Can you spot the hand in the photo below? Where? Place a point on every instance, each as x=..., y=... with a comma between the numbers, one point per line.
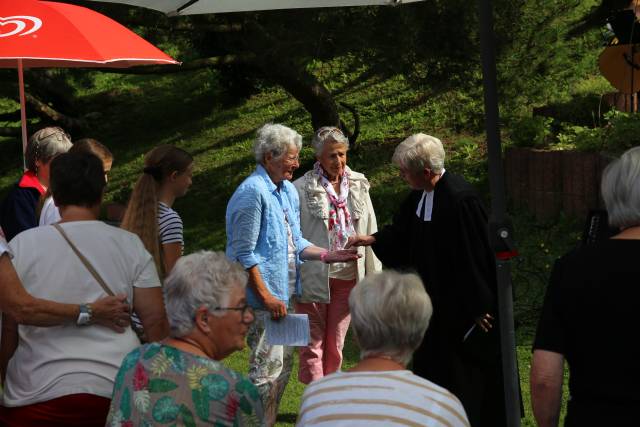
x=112, y=312
x=277, y=308
x=343, y=255
x=360, y=240
x=485, y=322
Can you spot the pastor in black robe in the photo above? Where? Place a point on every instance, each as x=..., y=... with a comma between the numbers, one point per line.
x=452, y=255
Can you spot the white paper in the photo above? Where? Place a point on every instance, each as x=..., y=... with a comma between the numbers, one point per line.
x=293, y=330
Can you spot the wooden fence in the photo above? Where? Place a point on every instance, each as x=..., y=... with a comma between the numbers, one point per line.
x=549, y=182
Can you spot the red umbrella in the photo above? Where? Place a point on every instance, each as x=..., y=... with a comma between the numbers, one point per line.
x=47, y=34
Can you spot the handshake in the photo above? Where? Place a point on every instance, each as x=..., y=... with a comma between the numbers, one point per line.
x=343, y=255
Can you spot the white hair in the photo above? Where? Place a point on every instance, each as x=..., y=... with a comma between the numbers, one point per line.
x=620, y=189
x=326, y=134
x=45, y=144
x=390, y=313
x=203, y=278
x=418, y=152
x=275, y=139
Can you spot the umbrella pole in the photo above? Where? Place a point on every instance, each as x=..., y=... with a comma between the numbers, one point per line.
x=23, y=113
x=500, y=228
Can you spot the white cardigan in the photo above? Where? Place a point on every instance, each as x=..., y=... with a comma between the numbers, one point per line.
x=314, y=222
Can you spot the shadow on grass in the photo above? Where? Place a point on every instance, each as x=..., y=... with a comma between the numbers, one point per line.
x=287, y=418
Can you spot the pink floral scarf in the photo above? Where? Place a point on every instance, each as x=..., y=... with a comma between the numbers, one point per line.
x=340, y=224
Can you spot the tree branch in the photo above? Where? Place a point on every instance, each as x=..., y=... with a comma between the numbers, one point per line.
x=47, y=111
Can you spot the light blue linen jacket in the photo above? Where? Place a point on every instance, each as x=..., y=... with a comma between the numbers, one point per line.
x=257, y=235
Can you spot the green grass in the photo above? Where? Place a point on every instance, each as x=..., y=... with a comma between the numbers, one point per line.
x=136, y=113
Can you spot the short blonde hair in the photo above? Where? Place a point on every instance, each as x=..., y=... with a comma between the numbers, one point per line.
x=418, y=152
x=390, y=313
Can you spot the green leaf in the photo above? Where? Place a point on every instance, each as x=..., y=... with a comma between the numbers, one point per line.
x=159, y=385
x=187, y=416
x=175, y=357
x=201, y=402
x=216, y=385
x=130, y=360
x=119, y=379
x=247, y=388
x=125, y=404
x=245, y=405
x=165, y=410
x=152, y=350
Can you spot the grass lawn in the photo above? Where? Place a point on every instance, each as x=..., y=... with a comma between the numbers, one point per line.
x=136, y=113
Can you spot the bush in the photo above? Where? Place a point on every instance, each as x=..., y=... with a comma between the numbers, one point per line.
x=532, y=132
x=621, y=132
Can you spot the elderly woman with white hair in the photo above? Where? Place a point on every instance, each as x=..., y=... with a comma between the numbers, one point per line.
x=182, y=380
x=263, y=234
x=18, y=210
x=590, y=317
x=441, y=231
x=334, y=204
x=390, y=313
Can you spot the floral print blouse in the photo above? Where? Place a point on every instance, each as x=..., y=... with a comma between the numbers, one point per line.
x=158, y=384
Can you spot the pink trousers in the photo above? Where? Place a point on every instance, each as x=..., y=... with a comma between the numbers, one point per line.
x=328, y=324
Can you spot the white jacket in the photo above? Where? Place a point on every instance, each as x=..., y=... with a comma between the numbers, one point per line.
x=314, y=222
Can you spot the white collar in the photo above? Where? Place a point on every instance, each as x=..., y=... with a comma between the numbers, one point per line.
x=426, y=202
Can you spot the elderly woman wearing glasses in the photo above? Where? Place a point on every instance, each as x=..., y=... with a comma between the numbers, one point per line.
x=181, y=380
x=18, y=210
x=334, y=204
x=263, y=234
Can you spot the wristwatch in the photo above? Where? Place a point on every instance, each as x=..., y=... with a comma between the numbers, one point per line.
x=86, y=315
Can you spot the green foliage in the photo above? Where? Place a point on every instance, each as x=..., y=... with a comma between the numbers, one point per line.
x=538, y=61
x=532, y=132
x=621, y=132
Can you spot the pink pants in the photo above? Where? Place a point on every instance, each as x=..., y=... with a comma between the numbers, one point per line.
x=328, y=324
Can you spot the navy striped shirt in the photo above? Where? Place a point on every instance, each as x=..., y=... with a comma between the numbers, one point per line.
x=169, y=225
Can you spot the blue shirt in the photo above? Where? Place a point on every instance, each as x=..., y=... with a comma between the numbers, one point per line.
x=257, y=234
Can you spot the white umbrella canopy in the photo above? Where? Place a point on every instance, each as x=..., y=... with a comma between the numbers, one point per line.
x=190, y=7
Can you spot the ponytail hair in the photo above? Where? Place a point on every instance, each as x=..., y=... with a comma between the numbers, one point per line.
x=141, y=215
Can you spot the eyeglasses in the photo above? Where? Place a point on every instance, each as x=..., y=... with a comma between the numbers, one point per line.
x=246, y=312
x=292, y=159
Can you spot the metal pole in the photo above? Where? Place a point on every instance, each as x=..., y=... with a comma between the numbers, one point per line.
x=23, y=113
x=500, y=226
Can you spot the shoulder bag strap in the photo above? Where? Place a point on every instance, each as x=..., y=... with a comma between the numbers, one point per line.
x=85, y=261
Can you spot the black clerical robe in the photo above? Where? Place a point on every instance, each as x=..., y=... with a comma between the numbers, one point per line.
x=452, y=255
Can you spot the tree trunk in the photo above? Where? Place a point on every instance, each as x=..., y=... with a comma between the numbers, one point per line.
x=306, y=88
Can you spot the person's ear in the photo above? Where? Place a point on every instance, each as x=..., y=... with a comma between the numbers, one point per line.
x=174, y=175
x=268, y=157
x=202, y=319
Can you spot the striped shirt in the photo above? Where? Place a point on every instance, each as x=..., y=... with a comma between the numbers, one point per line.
x=385, y=398
x=169, y=225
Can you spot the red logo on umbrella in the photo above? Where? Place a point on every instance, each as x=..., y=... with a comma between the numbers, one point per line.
x=23, y=25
